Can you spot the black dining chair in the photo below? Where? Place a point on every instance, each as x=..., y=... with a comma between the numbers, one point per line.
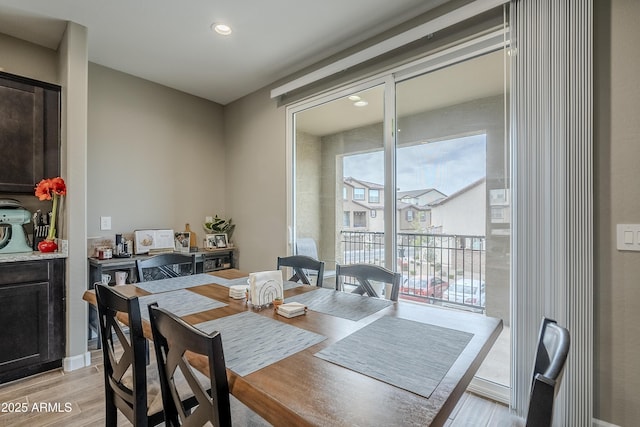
x=132, y=384
x=129, y=386
x=551, y=356
x=302, y=267
x=364, y=274
x=173, y=337
x=164, y=266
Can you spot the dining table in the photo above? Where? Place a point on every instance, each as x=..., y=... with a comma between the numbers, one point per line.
x=350, y=360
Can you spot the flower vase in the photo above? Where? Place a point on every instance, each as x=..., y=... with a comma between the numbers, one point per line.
x=47, y=246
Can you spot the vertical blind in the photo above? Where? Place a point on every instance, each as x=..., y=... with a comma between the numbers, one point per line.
x=552, y=274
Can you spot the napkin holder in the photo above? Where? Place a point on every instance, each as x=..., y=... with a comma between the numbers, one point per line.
x=265, y=286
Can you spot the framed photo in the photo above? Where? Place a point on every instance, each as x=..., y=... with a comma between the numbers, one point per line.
x=181, y=240
x=216, y=241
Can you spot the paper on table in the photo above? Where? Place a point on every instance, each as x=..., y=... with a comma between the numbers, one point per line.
x=265, y=286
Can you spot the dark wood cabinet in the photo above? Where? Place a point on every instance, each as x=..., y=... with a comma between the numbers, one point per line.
x=32, y=324
x=29, y=133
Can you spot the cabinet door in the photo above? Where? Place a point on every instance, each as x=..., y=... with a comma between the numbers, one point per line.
x=25, y=325
x=32, y=324
x=29, y=133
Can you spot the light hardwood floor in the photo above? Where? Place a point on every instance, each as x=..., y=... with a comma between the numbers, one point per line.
x=75, y=399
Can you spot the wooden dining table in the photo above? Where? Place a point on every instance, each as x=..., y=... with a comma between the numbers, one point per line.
x=306, y=390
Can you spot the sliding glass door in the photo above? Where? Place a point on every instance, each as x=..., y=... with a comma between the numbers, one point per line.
x=452, y=192
x=339, y=174
x=409, y=172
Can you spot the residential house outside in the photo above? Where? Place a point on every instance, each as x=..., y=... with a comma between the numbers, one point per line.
x=451, y=214
x=362, y=205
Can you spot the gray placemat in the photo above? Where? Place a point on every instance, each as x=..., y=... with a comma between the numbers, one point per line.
x=243, y=281
x=251, y=341
x=340, y=304
x=180, y=303
x=175, y=283
x=411, y=355
x=229, y=282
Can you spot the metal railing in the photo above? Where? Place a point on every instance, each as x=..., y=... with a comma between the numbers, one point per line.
x=436, y=268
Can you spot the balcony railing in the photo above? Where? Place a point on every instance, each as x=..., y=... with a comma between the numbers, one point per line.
x=438, y=268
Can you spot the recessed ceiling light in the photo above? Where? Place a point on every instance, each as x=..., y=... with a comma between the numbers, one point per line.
x=354, y=98
x=221, y=29
x=361, y=103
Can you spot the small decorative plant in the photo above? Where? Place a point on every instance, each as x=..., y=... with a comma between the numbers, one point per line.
x=219, y=225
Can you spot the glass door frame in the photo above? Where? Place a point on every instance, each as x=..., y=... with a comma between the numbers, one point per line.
x=473, y=48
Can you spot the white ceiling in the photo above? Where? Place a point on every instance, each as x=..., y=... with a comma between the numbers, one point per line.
x=170, y=41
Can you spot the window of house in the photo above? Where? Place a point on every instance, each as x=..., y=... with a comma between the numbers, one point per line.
x=358, y=194
x=423, y=216
x=346, y=219
x=372, y=213
x=344, y=193
x=360, y=219
x=374, y=196
x=409, y=215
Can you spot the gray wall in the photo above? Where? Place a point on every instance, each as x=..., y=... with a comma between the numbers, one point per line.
x=617, y=201
x=156, y=156
x=256, y=172
x=308, y=176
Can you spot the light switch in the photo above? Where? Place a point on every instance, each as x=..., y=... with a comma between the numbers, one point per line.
x=628, y=237
x=105, y=223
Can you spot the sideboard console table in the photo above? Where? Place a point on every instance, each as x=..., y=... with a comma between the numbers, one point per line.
x=206, y=261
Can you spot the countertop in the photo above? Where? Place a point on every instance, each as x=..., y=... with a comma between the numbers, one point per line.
x=31, y=256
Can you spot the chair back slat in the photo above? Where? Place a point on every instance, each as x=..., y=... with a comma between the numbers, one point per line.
x=164, y=266
x=364, y=274
x=302, y=266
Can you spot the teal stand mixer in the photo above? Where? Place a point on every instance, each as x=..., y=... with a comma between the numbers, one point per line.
x=13, y=237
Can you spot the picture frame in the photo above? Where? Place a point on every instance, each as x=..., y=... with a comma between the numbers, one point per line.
x=216, y=241
x=147, y=241
x=181, y=241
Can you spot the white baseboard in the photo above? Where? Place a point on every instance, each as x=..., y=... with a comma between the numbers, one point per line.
x=600, y=423
x=76, y=362
x=490, y=390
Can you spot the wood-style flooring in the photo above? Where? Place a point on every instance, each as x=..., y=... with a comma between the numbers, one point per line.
x=75, y=399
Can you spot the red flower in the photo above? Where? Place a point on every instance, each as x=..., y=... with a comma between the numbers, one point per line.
x=49, y=187
x=52, y=188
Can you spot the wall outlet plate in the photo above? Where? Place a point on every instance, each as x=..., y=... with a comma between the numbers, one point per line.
x=628, y=237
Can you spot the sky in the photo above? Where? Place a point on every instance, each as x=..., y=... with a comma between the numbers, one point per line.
x=446, y=165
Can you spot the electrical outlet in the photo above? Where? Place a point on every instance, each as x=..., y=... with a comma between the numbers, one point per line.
x=105, y=223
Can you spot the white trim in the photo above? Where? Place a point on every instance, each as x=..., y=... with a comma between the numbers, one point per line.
x=76, y=362
x=458, y=15
x=600, y=423
x=490, y=389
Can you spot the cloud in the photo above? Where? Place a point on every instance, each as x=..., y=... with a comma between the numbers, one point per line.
x=446, y=166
